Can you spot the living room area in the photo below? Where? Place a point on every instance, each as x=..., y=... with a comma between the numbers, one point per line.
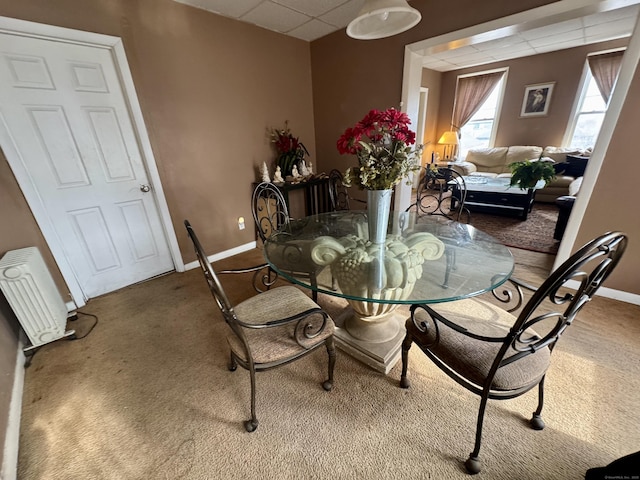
x=480, y=121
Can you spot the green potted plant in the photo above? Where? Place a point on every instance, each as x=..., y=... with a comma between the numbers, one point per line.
x=527, y=174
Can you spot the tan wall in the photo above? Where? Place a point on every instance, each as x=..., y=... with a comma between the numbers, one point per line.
x=350, y=77
x=208, y=87
x=564, y=67
x=611, y=204
x=8, y=355
x=431, y=80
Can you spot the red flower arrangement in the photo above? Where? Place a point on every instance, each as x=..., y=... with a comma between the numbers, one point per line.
x=290, y=150
x=382, y=143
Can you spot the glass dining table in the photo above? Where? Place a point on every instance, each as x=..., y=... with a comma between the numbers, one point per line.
x=424, y=260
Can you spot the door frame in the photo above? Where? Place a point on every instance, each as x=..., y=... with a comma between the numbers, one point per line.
x=115, y=46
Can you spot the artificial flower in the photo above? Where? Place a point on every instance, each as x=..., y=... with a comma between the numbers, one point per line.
x=290, y=149
x=381, y=141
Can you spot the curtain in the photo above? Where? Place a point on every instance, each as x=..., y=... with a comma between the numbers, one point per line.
x=471, y=92
x=605, y=68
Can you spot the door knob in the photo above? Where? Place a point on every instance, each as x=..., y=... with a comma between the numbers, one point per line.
x=145, y=188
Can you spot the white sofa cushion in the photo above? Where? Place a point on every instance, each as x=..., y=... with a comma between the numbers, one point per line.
x=559, y=154
x=492, y=160
x=522, y=153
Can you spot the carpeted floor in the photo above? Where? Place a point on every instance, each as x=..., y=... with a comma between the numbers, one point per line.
x=147, y=395
x=535, y=233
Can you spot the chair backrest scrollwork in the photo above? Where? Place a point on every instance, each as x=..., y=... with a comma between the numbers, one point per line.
x=269, y=210
x=554, y=305
x=442, y=191
x=215, y=287
x=337, y=191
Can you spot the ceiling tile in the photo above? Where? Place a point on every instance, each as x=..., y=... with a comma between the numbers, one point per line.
x=575, y=35
x=342, y=15
x=226, y=8
x=275, y=17
x=312, y=19
x=615, y=29
x=604, y=17
x=311, y=30
x=501, y=43
x=553, y=47
x=313, y=8
x=520, y=49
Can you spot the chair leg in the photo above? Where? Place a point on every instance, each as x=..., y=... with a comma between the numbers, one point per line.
x=536, y=421
x=233, y=365
x=314, y=292
x=406, y=345
x=331, y=350
x=251, y=425
x=449, y=265
x=473, y=464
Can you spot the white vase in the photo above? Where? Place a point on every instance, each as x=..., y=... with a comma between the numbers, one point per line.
x=378, y=207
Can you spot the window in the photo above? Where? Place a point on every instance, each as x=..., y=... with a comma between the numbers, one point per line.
x=479, y=131
x=589, y=115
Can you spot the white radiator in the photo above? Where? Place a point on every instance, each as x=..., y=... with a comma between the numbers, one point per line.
x=31, y=292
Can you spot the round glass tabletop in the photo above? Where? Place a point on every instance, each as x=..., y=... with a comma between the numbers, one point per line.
x=427, y=259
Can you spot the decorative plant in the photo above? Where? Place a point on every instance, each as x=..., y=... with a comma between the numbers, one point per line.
x=289, y=149
x=528, y=173
x=382, y=143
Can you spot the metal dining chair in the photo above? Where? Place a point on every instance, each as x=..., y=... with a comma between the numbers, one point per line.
x=271, y=216
x=268, y=330
x=497, y=355
x=442, y=192
x=340, y=198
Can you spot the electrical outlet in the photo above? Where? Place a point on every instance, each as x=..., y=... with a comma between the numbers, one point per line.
x=241, y=223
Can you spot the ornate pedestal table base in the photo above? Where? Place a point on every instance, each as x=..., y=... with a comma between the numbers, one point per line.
x=354, y=336
x=375, y=278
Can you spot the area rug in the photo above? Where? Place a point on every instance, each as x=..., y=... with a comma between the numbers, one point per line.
x=535, y=233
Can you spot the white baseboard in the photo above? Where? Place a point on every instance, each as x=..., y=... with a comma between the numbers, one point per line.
x=9, y=469
x=610, y=293
x=222, y=255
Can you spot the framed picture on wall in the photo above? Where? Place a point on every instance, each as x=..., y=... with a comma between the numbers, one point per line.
x=536, y=99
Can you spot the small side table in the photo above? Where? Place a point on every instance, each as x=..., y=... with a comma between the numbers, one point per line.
x=316, y=194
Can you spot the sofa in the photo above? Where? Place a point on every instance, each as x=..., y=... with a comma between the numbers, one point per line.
x=494, y=162
x=565, y=205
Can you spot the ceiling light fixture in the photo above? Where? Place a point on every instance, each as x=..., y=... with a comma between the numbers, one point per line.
x=383, y=18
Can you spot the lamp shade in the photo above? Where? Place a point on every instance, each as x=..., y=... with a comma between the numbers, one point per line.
x=448, y=138
x=383, y=18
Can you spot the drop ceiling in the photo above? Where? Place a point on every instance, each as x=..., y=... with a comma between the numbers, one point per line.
x=312, y=19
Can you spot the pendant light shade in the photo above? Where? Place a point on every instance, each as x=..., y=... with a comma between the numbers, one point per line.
x=383, y=18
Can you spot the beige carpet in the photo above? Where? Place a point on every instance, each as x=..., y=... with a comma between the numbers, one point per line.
x=147, y=395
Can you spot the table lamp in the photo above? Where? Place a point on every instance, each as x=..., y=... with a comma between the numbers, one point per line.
x=449, y=139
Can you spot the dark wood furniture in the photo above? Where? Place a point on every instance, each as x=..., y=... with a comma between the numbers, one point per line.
x=316, y=196
x=495, y=196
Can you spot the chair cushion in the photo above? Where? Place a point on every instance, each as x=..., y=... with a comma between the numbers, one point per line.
x=472, y=359
x=277, y=343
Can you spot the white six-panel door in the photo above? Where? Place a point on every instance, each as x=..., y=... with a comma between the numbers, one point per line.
x=67, y=117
